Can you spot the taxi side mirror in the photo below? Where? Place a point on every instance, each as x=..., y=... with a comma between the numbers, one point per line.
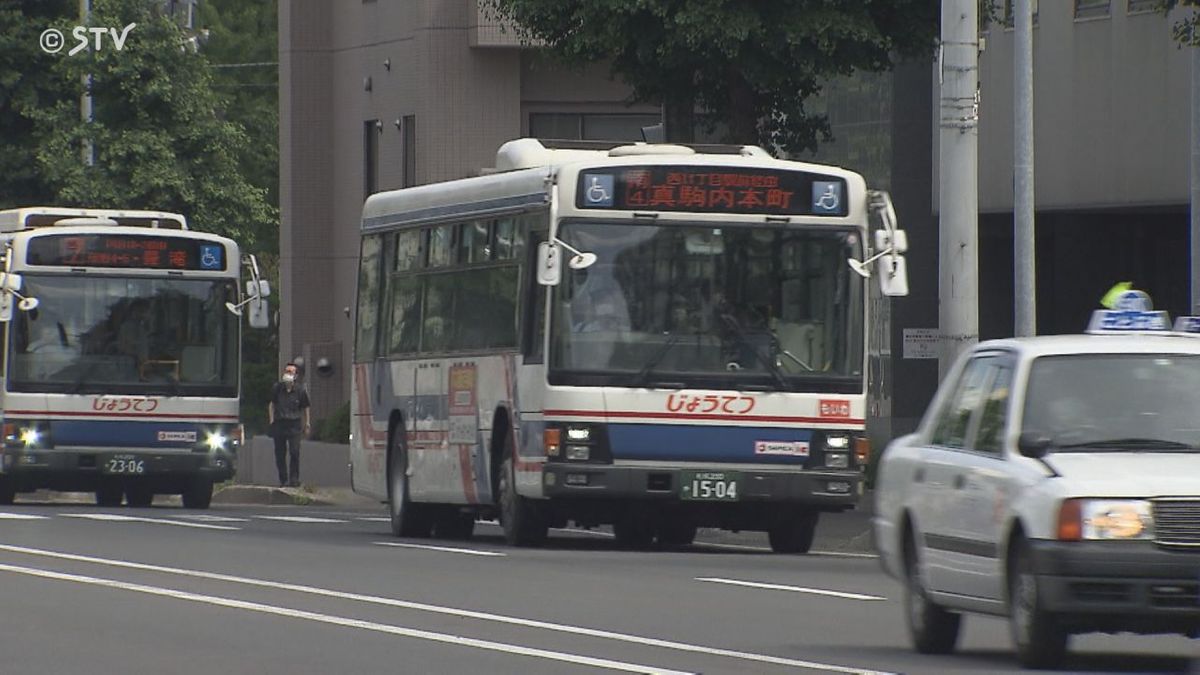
x=1034, y=444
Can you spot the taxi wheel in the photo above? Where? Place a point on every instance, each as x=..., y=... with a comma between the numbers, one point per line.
x=408, y=519
x=1041, y=642
x=794, y=532
x=109, y=494
x=933, y=629
x=139, y=496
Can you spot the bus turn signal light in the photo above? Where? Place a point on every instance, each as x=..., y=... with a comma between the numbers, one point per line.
x=552, y=441
x=862, y=450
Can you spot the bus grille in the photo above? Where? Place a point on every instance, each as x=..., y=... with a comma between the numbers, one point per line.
x=1177, y=522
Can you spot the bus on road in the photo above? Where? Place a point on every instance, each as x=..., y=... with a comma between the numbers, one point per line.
x=121, y=341
x=656, y=337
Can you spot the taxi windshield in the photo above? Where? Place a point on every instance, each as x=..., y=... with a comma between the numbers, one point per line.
x=1115, y=402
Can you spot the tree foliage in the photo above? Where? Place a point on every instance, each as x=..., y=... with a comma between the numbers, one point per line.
x=160, y=139
x=747, y=65
x=1186, y=30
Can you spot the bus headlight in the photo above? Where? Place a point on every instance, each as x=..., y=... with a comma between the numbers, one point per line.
x=579, y=453
x=30, y=436
x=216, y=440
x=1105, y=519
x=579, y=434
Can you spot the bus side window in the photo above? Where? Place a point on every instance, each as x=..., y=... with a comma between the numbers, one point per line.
x=533, y=313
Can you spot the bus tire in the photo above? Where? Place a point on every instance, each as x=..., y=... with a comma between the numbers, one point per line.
x=522, y=522
x=454, y=524
x=408, y=519
x=8, y=492
x=109, y=493
x=675, y=532
x=198, y=495
x=633, y=530
x=794, y=531
x=139, y=496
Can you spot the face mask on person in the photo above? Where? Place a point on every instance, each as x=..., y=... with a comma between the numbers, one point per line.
x=289, y=378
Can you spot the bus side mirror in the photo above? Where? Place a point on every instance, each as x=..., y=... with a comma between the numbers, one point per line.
x=549, y=264
x=264, y=288
x=893, y=275
x=260, y=313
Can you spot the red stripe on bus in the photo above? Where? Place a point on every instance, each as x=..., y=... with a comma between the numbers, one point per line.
x=468, y=478
x=700, y=416
x=88, y=413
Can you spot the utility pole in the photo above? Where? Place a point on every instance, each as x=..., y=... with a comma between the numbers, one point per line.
x=1195, y=174
x=85, y=101
x=958, y=184
x=1024, y=240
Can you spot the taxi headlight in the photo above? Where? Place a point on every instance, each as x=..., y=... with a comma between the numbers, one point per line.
x=1105, y=519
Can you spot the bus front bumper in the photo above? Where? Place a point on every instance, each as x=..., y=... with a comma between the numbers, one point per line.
x=83, y=468
x=828, y=490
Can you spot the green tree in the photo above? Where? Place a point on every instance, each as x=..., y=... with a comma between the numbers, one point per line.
x=749, y=65
x=242, y=46
x=1186, y=30
x=26, y=84
x=158, y=131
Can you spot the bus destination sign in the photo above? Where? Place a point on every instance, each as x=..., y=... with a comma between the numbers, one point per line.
x=126, y=251
x=711, y=189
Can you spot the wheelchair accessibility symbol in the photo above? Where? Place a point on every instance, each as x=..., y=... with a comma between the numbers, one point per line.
x=210, y=257
x=827, y=197
x=598, y=189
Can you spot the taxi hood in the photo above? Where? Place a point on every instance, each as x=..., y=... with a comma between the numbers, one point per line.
x=1129, y=474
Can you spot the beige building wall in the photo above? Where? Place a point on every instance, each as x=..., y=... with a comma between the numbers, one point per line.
x=464, y=80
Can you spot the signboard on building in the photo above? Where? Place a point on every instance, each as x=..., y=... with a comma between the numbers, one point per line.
x=921, y=343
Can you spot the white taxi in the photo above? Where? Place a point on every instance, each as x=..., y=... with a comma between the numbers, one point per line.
x=1054, y=481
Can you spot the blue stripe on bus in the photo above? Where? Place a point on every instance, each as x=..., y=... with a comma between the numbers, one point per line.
x=122, y=433
x=697, y=443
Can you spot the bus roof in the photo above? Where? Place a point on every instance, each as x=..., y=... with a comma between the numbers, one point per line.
x=12, y=220
x=526, y=167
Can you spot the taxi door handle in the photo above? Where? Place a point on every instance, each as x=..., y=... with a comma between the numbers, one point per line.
x=960, y=481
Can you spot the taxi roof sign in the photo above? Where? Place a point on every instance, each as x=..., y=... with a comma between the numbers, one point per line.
x=1132, y=311
x=1187, y=324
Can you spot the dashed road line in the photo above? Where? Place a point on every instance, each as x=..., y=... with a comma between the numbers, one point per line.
x=792, y=589
x=22, y=516
x=303, y=519
x=114, y=518
x=444, y=549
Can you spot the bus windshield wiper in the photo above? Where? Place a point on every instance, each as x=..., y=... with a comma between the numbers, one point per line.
x=767, y=361
x=1131, y=444
x=644, y=373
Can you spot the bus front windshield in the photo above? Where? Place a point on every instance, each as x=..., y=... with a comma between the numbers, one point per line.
x=100, y=335
x=710, y=306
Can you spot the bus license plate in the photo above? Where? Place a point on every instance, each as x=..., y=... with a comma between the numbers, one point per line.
x=721, y=486
x=124, y=464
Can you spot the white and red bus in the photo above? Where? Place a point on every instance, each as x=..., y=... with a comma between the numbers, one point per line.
x=648, y=336
x=121, y=341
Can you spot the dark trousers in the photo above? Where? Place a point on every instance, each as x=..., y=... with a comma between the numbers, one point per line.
x=287, y=444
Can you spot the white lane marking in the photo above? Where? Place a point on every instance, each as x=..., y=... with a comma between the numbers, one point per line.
x=22, y=516
x=451, y=611
x=302, y=519
x=115, y=518
x=205, y=518
x=446, y=549
x=344, y=621
x=793, y=589
x=734, y=547
x=376, y=519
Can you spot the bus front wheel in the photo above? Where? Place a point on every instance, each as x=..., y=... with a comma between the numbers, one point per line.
x=8, y=492
x=523, y=524
x=793, y=532
x=198, y=495
x=408, y=519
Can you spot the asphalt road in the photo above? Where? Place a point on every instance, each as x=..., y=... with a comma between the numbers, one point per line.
x=287, y=589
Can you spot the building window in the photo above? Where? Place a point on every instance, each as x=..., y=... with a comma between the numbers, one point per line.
x=591, y=126
x=370, y=157
x=1089, y=9
x=409, y=150
x=1141, y=6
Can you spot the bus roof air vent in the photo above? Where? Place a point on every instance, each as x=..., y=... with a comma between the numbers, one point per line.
x=640, y=149
x=85, y=222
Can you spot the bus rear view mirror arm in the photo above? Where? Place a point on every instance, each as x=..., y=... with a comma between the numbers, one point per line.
x=549, y=270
